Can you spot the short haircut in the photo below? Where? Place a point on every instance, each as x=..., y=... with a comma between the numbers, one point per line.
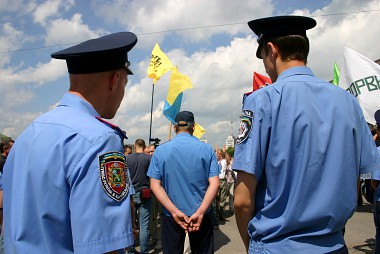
x=140, y=143
x=2, y=146
x=189, y=129
x=127, y=146
x=290, y=47
x=151, y=145
x=5, y=144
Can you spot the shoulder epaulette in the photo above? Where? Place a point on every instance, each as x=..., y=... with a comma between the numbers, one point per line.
x=114, y=127
x=246, y=95
x=165, y=142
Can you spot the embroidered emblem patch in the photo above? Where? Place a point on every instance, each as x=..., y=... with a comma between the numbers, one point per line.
x=114, y=175
x=245, y=126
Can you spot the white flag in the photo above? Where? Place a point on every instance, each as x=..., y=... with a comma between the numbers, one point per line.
x=361, y=77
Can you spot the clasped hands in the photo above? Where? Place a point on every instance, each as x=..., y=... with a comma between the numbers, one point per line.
x=189, y=224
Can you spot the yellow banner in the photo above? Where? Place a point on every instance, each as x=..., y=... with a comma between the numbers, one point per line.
x=159, y=64
x=198, y=131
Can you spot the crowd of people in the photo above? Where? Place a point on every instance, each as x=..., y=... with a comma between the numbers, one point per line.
x=72, y=186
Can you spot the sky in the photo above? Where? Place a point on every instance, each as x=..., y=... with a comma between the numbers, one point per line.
x=209, y=41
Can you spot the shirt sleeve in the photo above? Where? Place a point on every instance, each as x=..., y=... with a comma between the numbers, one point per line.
x=214, y=167
x=100, y=222
x=153, y=170
x=253, y=136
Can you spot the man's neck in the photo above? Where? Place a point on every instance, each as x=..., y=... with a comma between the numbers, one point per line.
x=139, y=150
x=283, y=66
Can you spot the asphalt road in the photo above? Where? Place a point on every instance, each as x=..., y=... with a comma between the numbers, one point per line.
x=359, y=235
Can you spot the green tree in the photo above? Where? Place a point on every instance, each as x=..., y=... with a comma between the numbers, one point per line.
x=230, y=151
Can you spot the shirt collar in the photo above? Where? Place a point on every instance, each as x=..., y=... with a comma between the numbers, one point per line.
x=298, y=70
x=77, y=102
x=183, y=134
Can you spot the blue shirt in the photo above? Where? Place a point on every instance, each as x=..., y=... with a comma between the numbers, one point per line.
x=54, y=197
x=184, y=166
x=307, y=144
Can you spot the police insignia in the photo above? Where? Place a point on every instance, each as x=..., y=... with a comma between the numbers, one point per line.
x=245, y=126
x=114, y=175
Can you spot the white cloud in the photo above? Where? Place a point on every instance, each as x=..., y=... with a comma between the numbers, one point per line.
x=10, y=39
x=17, y=86
x=69, y=31
x=150, y=16
x=39, y=74
x=355, y=30
x=7, y=6
x=44, y=72
x=15, y=121
x=50, y=8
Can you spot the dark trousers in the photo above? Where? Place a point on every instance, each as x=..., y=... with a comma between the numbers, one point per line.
x=173, y=237
x=342, y=250
x=376, y=216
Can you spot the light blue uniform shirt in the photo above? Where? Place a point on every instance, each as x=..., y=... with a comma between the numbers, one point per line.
x=54, y=201
x=184, y=165
x=307, y=145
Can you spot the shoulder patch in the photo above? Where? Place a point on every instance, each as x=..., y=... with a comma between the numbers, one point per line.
x=114, y=175
x=245, y=126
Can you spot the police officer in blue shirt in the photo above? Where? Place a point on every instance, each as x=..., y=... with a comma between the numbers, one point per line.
x=66, y=185
x=300, y=140
x=184, y=177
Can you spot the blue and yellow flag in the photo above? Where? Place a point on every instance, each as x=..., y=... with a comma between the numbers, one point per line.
x=159, y=64
x=178, y=84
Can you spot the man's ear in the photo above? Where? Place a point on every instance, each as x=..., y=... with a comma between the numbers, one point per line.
x=114, y=79
x=272, y=49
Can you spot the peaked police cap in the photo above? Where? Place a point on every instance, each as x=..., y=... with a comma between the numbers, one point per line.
x=106, y=53
x=280, y=26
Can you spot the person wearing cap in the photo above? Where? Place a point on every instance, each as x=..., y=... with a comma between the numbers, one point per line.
x=188, y=171
x=66, y=185
x=289, y=156
x=375, y=179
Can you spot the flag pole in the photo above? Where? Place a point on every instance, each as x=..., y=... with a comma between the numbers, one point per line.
x=170, y=131
x=151, y=113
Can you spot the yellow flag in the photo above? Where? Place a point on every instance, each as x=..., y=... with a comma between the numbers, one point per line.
x=159, y=64
x=198, y=131
x=178, y=84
